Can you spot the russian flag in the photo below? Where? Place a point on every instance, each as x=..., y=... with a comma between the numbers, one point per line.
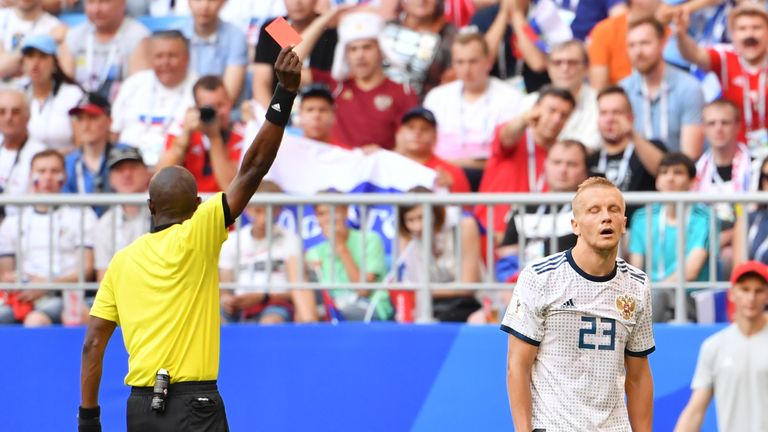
x=711, y=306
x=546, y=26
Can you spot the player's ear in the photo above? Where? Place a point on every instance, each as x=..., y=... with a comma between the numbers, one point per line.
x=624, y=226
x=575, y=227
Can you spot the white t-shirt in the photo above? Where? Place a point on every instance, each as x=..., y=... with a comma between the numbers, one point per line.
x=34, y=239
x=126, y=231
x=253, y=259
x=13, y=29
x=145, y=109
x=465, y=129
x=250, y=15
x=49, y=120
x=583, y=326
x=736, y=368
x=582, y=124
x=15, y=167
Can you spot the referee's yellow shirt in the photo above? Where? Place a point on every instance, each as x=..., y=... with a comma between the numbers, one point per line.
x=163, y=290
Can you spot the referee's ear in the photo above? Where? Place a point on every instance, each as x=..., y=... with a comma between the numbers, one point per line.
x=151, y=206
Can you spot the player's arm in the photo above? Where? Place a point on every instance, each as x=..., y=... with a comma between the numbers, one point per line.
x=262, y=151
x=520, y=358
x=639, y=388
x=692, y=416
x=96, y=338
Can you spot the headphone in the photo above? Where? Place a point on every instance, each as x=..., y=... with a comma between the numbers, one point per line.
x=60, y=179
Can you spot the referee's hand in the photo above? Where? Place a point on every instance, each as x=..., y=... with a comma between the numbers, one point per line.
x=288, y=69
x=89, y=420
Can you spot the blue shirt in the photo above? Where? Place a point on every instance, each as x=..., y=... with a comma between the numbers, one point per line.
x=78, y=175
x=212, y=55
x=684, y=99
x=588, y=13
x=665, y=242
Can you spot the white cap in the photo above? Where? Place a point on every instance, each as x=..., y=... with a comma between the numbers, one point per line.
x=354, y=27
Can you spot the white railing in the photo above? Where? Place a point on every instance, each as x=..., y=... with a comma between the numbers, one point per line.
x=425, y=287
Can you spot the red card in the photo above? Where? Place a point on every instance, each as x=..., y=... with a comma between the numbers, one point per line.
x=283, y=33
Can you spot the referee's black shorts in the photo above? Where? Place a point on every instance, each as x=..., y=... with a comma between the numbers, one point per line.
x=190, y=406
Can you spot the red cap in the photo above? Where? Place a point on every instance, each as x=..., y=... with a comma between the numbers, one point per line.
x=750, y=267
x=91, y=109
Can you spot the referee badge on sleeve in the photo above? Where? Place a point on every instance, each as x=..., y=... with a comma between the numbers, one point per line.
x=626, y=305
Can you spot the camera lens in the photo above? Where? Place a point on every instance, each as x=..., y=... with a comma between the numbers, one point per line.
x=207, y=114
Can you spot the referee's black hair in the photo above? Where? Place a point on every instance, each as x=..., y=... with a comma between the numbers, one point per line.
x=677, y=158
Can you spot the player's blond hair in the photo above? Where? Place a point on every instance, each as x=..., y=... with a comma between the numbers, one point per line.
x=591, y=183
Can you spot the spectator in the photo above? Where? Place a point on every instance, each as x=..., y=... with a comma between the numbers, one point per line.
x=519, y=149
x=262, y=295
x=369, y=105
x=86, y=167
x=318, y=48
x=122, y=224
x=317, y=114
x=469, y=109
x=34, y=242
x=216, y=47
x=739, y=67
x=667, y=101
x=755, y=231
x=732, y=362
x=626, y=158
x=415, y=139
x=417, y=45
x=607, y=44
x=567, y=66
x=343, y=264
x=564, y=170
x=102, y=52
x=18, y=146
x=52, y=93
x=209, y=147
x=150, y=101
x=677, y=173
x=25, y=18
x=447, y=305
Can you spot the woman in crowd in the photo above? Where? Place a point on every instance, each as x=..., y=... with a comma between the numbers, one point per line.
x=51, y=93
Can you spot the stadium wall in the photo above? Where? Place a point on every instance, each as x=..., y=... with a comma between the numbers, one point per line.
x=350, y=377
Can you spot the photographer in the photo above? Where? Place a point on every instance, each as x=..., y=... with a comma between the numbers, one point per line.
x=208, y=144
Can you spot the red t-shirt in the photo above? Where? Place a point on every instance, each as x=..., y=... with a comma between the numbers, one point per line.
x=507, y=171
x=368, y=117
x=725, y=64
x=460, y=182
x=198, y=161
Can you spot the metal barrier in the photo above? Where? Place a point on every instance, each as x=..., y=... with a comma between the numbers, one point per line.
x=424, y=288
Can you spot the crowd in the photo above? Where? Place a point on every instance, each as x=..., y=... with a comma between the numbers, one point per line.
x=476, y=90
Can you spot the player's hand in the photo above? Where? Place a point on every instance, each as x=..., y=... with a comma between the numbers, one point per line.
x=288, y=69
x=89, y=419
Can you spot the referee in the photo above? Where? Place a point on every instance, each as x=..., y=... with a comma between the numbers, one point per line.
x=163, y=289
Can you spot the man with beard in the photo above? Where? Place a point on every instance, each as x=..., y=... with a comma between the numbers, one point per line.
x=667, y=102
x=740, y=68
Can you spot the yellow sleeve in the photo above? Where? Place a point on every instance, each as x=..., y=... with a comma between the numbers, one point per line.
x=206, y=229
x=104, y=306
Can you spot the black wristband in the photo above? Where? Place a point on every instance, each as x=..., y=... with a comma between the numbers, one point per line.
x=279, y=110
x=89, y=413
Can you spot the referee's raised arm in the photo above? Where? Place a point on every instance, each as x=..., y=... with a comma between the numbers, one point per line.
x=262, y=151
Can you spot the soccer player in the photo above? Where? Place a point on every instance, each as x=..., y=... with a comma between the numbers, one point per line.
x=732, y=362
x=580, y=329
x=163, y=289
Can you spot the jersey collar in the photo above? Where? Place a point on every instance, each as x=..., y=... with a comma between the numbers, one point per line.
x=585, y=275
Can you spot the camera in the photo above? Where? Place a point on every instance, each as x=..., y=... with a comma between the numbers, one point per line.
x=207, y=114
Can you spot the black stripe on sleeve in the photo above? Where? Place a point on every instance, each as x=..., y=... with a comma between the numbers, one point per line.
x=227, y=213
x=640, y=353
x=520, y=336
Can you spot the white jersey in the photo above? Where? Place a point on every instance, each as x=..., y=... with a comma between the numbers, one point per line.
x=583, y=326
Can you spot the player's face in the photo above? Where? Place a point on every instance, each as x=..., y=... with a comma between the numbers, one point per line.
x=749, y=296
x=645, y=48
x=721, y=126
x=750, y=37
x=416, y=136
x=566, y=67
x=364, y=58
x=316, y=117
x=565, y=168
x=599, y=219
x=613, y=113
x=470, y=63
x=554, y=114
x=673, y=178
x=129, y=177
